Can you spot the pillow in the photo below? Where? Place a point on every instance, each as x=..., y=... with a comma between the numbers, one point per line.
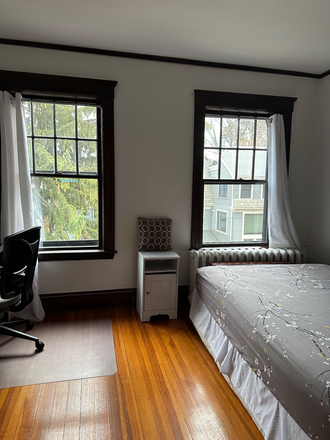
x=155, y=234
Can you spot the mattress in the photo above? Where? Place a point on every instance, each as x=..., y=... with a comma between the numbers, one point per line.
x=277, y=319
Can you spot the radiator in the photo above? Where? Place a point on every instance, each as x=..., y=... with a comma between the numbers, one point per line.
x=206, y=256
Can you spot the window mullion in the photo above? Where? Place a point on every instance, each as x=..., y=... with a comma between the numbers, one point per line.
x=100, y=174
x=76, y=140
x=32, y=139
x=254, y=147
x=55, y=137
x=220, y=149
x=237, y=149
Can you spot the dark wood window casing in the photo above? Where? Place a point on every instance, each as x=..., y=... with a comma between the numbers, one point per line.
x=101, y=93
x=241, y=104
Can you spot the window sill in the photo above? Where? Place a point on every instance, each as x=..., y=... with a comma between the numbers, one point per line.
x=76, y=254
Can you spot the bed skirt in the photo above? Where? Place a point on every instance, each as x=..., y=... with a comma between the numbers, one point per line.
x=271, y=418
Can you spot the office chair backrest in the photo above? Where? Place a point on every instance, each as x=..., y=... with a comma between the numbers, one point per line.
x=19, y=261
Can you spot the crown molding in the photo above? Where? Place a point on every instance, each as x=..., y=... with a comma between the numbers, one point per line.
x=159, y=58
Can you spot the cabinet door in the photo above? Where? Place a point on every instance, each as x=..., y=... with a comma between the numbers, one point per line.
x=160, y=292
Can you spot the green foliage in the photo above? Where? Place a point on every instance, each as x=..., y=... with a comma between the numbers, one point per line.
x=67, y=207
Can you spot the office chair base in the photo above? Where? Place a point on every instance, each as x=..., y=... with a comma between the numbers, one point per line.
x=18, y=322
x=4, y=330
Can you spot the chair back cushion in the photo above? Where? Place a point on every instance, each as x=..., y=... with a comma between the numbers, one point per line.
x=19, y=261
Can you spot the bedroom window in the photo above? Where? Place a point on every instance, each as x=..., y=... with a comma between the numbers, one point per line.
x=230, y=166
x=64, y=152
x=70, y=129
x=235, y=150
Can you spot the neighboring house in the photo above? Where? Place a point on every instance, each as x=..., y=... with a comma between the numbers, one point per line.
x=231, y=213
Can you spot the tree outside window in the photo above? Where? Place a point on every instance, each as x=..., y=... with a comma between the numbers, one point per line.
x=63, y=153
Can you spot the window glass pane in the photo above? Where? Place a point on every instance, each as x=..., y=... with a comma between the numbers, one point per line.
x=260, y=165
x=234, y=214
x=221, y=221
x=67, y=209
x=65, y=120
x=246, y=191
x=27, y=112
x=212, y=132
x=223, y=190
x=246, y=133
x=87, y=126
x=43, y=119
x=257, y=191
x=66, y=156
x=228, y=164
x=261, y=139
x=229, y=132
x=211, y=164
x=87, y=151
x=253, y=223
x=44, y=155
x=245, y=160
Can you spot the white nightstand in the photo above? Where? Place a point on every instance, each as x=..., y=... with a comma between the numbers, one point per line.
x=157, y=284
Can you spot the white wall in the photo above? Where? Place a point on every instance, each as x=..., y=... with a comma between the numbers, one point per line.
x=154, y=122
x=319, y=214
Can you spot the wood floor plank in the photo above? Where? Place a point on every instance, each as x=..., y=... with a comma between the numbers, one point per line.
x=115, y=418
x=44, y=412
x=226, y=389
x=137, y=370
x=29, y=409
x=167, y=391
x=5, y=398
x=201, y=422
x=200, y=369
x=162, y=401
x=94, y=416
x=73, y=411
x=59, y=410
x=129, y=412
x=20, y=414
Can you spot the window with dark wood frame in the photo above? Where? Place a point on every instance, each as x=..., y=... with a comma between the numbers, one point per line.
x=94, y=92
x=240, y=105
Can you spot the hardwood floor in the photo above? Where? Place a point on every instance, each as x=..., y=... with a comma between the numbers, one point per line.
x=167, y=386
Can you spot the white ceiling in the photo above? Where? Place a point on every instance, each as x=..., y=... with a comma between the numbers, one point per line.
x=280, y=34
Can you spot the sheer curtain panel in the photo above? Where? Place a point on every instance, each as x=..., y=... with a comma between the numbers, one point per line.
x=281, y=230
x=16, y=192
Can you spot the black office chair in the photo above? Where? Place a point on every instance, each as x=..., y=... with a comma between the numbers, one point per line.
x=19, y=259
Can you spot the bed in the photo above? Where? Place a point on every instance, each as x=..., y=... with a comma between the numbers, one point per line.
x=268, y=328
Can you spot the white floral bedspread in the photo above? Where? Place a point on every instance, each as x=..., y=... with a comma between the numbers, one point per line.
x=278, y=318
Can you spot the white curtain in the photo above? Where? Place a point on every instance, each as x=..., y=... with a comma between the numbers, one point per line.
x=281, y=230
x=16, y=195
